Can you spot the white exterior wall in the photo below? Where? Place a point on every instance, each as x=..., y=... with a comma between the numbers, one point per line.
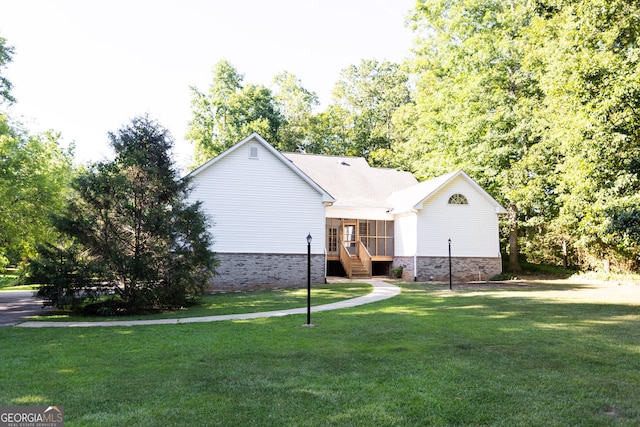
x=259, y=205
x=405, y=226
x=472, y=228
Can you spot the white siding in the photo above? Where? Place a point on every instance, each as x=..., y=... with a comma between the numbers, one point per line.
x=405, y=234
x=259, y=205
x=472, y=228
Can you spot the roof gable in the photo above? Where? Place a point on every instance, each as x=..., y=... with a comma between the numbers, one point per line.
x=254, y=137
x=416, y=196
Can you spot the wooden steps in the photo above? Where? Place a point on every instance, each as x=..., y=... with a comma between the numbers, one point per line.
x=358, y=270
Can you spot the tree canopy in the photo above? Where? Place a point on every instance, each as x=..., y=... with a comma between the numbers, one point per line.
x=228, y=112
x=6, y=55
x=369, y=95
x=586, y=57
x=35, y=173
x=474, y=100
x=539, y=102
x=296, y=106
x=358, y=122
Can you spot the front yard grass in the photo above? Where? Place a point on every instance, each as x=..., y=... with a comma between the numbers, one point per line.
x=546, y=355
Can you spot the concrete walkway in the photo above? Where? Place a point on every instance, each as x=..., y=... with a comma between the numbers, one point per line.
x=381, y=291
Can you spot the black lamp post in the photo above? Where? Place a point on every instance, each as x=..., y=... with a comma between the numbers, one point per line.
x=309, y=279
x=450, y=279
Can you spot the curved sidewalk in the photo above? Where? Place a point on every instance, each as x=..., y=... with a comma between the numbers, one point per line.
x=381, y=291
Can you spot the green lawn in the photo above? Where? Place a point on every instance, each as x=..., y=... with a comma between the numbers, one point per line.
x=539, y=355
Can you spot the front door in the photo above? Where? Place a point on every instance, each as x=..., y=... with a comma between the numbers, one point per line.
x=349, y=236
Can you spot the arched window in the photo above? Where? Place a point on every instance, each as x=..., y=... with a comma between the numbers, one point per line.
x=458, y=199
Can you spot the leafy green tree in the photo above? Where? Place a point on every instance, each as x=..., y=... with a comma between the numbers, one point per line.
x=475, y=103
x=369, y=94
x=35, y=174
x=539, y=102
x=296, y=105
x=328, y=132
x=6, y=54
x=34, y=178
x=133, y=232
x=587, y=61
x=229, y=112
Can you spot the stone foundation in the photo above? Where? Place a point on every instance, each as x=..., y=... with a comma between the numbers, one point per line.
x=436, y=269
x=244, y=271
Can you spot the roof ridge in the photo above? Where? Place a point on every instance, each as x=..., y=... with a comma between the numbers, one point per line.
x=323, y=155
x=337, y=156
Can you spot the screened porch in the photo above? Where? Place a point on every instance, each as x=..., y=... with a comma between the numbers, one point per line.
x=361, y=247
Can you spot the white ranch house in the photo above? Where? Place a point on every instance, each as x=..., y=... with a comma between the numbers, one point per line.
x=363, y=220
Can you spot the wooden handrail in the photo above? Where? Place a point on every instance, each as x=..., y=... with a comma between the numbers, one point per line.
x=365, y=256
x=345, y=259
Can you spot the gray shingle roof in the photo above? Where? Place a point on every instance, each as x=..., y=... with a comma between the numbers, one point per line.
x=351, y=181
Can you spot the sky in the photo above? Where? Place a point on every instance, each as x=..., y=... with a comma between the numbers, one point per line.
x=86, y=68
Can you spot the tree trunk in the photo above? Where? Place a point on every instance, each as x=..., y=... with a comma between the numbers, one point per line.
x=514, y=263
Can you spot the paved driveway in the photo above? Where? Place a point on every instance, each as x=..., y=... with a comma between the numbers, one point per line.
x=17, y=306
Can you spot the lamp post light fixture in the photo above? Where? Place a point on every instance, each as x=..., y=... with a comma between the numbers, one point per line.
x=450, y=279
x=308, y=280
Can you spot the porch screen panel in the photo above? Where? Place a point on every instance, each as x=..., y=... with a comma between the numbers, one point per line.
x=364, y=229
x=377, y=236
x=388, y=250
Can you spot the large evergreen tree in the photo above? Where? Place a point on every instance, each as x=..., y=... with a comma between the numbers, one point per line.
x=133, y=232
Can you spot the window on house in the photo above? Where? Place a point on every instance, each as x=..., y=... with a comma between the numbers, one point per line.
x=253, y=152
x=458, y=199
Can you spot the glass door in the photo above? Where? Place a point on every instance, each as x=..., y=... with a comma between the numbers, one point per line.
x=349, y=236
